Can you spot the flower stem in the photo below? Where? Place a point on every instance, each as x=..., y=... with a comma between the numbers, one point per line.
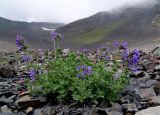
x=58, y=44
x=55, y=48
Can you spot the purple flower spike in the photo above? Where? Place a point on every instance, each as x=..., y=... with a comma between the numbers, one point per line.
x=26, y=58
x=124, y=45
x=116, y=44
x=53, y=35
x=136, y=52
x=84, y=70
x=20, y=42
x=32, y=74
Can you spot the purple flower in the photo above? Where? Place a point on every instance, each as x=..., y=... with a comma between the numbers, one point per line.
x=26, y=58
x=125, y=55
x=54, y=35
x=136, y=52
x=135, y=59
x=124, y=45
x=84, y=70
x=20, y=42
x=32, y=74
x=116, y=44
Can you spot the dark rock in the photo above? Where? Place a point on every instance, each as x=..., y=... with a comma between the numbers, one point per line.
x=156, y=88
x=102, y=111
x=48, y=111
x=7, y=71
x=138, y=74
x=26, y=101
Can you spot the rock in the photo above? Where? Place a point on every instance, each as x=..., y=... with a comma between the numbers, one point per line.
x=149, y=64
x=26, y=101
x=24, y=93
x=116, y=107
x=118, y=74
x=115, y=113
x=29, y=110
x=22, y=99
x=66, y=52
x=151, y=83
x=130, y=107
x=102, y=111
x=155, y=100
x=42, y=99
x=37, y=112
x=156, y=88
x=157, y=67
x=138, y=74
x=7, y=101
x=145, y=94
x=5, y=109
x=7, y=71
x=150, y=111
x=48, y=111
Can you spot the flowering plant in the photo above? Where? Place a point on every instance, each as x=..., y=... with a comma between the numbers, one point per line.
x=77, y=78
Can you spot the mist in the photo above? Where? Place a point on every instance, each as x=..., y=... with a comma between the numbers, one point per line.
x=64, y=11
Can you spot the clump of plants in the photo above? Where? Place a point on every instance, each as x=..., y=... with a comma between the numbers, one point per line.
x=77, y=77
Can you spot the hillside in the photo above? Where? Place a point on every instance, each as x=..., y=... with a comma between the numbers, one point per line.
x=132, y=24
x=33, y=32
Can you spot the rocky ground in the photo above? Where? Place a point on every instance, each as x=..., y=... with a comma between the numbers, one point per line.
x=140, y=97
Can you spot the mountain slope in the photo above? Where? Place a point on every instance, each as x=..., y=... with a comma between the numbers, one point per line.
x=131, y=24
x=33, y=32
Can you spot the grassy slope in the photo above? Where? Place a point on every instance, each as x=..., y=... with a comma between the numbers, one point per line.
x=97, y=34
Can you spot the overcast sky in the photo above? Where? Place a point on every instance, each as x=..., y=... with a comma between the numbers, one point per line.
x=58, y=10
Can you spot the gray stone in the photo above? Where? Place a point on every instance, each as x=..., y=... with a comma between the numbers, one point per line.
x=29, y=109
x=116, y=107
x=5, y=109
x=155, y=100
x=37, y=112
x=115, y=113
x=139, y=74
x=145, y=94
x=22, y=99
x=118, y=74
x=157, y=67
x=66, y=52
x=131, y=107
x=156, y=88
x=150, y=111
x=151, y=83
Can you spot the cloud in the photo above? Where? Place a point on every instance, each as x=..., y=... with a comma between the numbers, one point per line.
x=57, y=10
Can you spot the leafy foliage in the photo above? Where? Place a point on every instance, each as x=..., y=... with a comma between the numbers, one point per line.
x=62, y=80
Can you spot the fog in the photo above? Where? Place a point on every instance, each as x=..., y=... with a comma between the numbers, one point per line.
x=60, y=10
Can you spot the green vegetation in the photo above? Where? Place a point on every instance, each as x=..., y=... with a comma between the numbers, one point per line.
x=97, y=34
x=78, y=78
